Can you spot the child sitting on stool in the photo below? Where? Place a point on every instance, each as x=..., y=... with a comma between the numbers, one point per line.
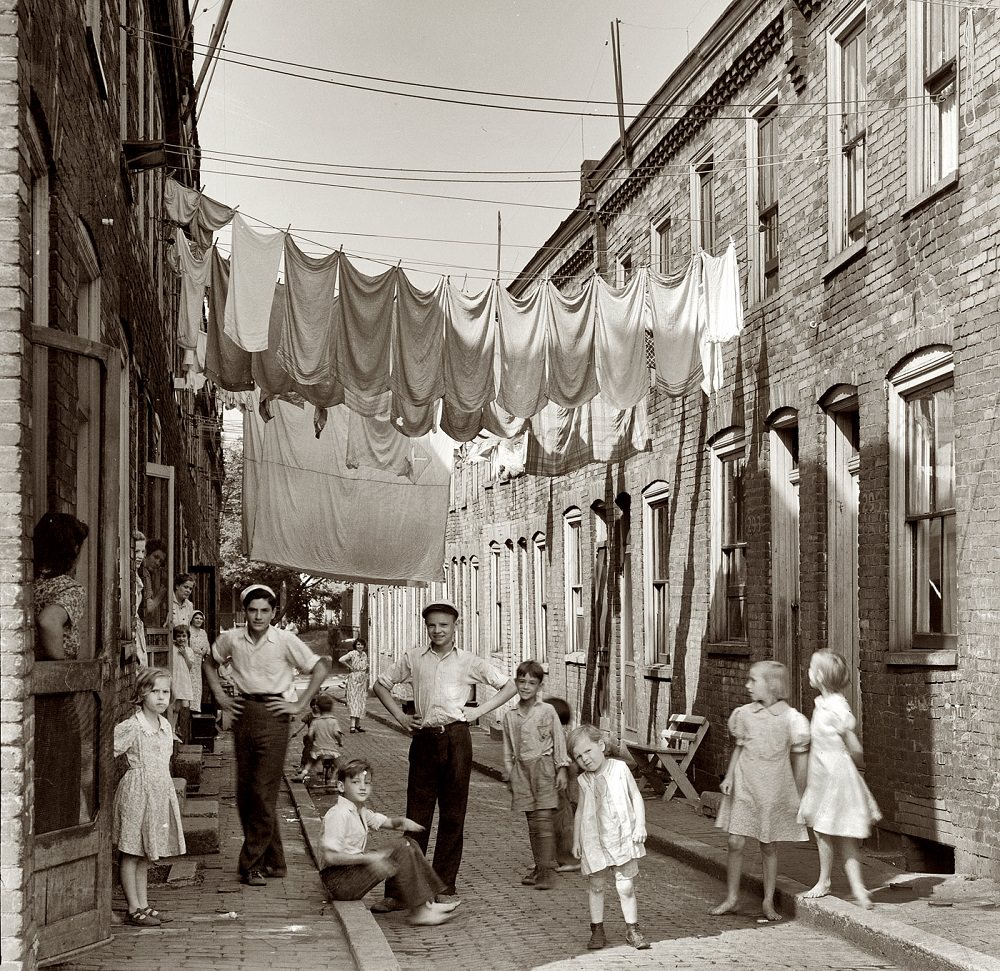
x=350, y=871
x=324, y=735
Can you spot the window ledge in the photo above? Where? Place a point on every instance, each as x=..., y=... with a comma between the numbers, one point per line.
x=576, y=657
x=939, y=188
x=765, y=303
x=657, y=672
x=728, y=649
x=844, y=257
x=923, y=659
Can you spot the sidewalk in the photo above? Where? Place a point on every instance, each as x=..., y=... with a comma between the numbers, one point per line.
x=930, y=922
x=219, y=924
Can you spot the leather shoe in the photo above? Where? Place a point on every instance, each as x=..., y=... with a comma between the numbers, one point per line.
x=387, y=905
x=448, y=898
x=275, y=871
x=253, y=879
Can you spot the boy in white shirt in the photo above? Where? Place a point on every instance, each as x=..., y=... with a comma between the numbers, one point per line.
x=349, y=870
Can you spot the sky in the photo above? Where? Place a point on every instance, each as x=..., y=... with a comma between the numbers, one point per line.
x=555, y=49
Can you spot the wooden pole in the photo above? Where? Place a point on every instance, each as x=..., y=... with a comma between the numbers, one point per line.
x=499, y=234
x=616, y=56
x=213, y=44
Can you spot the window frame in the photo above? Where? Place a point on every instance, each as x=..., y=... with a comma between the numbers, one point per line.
x=496, y=600
x=660, y=229
x=764, y=275
x=929, y=370
x=727, y=447
x=702, y=177
x=656, y=499
x=573, y=578
x=540, y=590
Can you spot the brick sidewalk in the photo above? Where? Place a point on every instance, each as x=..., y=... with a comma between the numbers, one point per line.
x=221, y=925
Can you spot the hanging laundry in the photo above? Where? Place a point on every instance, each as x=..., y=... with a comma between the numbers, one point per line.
x=563, y=440
x=304, y=508
x=195, y=274
x=363, y=331
x=227, y=364
x=252, y=274
x=723, y=308
x=522, y=332
x=458, y=425
x=413, y=420
x=268, y=374
x=511, y=457
x=375, y=444
x=179, y=201
x=418, y=343
x=571, y=361
x=620, y=334
x=676, y=321
x=470, y=346
x=211, y=215
x=502, y=423
x=305, y=346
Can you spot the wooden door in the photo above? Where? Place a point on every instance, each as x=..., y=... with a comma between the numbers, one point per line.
x=630, y=721
x=75, y=414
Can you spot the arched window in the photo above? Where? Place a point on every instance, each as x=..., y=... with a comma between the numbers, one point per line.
x=541, y=605
x=573, y=580
x=729, y=543
x=496, y=601
x=656, y=570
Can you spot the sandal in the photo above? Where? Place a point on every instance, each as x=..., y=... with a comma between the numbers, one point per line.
x=157, y=915
x=139, y=918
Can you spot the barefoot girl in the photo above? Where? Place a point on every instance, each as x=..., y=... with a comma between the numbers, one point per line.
x=146, y=821
x=765, y=777
x=836, y=803
x=609, y=832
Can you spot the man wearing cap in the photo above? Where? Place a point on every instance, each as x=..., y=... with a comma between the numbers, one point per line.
x=263, y=661
x=442, y=676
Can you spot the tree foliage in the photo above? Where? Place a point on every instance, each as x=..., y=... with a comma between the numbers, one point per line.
x=300, y=594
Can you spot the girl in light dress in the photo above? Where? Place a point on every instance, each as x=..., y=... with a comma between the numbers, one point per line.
x=179, y=714
x=199, y=650
x=766, y=775
x=609, y=831
x=146, y=819
x=836, y=804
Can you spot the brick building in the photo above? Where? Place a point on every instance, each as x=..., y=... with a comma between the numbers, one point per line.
x=95, y=417
x=840, y=490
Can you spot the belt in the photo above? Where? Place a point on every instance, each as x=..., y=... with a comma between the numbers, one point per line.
x=441, y=729
x=260, y=698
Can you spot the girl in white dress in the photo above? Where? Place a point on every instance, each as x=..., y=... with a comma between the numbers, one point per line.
x=836, y=804
x=609, y=831
x=146, y=820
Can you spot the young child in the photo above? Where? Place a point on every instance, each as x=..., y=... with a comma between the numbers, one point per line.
x=609, y=831
x=765, y=778
x=836, y=803
x=324, y=736
x=349, y=870
x=568, y=798
x=179, y=715
x=534, y=758
x=146, y=820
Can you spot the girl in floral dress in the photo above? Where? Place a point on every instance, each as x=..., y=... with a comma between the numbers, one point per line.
x=146, y=819
x=766, y=774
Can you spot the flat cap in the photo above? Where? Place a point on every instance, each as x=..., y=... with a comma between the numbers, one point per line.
x=446, y=606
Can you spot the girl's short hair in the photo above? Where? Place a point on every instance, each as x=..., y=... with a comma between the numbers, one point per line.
x=144, y=682
x=137, y=535
x=182, y=578
x=353, y=769
x=831, y=670
x=57, y=540
x=181, y=629
x=562, y=708
x=775, y=676
x=324, y=703
x=589, y=732
x=530, y=669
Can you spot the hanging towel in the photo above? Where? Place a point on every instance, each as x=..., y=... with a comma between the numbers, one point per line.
x=470, y=344
x=413, y=420
x=572, y=367
x=523, y=326
x=304, y=508
x=252, y=274
x=418, y=343
x=676, y=319
x=228, y=365
x=375, y=444
x=194, y=278
x=179, y=201
x=364, y=329
x=306, y=342
x=723, y=308
x=269, y=375
x=461, y=426
x=621, y=341
x=211, y=215
x=563, y=440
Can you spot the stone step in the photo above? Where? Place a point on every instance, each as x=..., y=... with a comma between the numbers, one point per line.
x=199, y=807
x=201, y=834
x=186, y=764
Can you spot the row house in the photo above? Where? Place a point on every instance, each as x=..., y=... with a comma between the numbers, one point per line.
x=839, y=491
x=96, y=417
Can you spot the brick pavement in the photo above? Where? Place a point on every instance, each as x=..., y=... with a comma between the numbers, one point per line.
x=502, y=925
x=285, y=925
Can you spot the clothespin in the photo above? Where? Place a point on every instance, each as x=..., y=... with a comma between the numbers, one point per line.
x=287, y=231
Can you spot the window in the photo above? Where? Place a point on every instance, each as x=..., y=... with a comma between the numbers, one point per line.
x=762, y=198
x=922, y=517
x=523, y=606
x=623, y=269
x=783, y=441
x=541, y=599
x=847, y=93
x=703, y=204
x=474, y=605
x=496, y=601
x=94, y=19
x=932, y=89
x=573, y=580
x=729, y=546
x=656, y=567
x=659, y=242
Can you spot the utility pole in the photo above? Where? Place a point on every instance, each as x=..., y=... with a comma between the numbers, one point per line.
x=616, y=57
x=499, y=233
x=217, y=30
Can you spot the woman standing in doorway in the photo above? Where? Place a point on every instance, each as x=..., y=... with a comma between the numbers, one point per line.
x=199, y=648
x=357, y=683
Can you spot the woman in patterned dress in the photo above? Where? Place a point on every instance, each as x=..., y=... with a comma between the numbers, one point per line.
x=357, y=683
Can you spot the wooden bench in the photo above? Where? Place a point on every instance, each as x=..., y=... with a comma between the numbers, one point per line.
x=664, y=766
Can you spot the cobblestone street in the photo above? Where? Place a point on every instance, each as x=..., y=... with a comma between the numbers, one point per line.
x=503, y=925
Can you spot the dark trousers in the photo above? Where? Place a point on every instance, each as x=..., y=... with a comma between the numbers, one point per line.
x=261, y=740
x=563, y=821
x=415, y=881
x=440, y=769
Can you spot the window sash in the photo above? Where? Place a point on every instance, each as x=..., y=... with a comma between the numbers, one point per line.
x=706, y=205
x=934, y=574
x=853, y=130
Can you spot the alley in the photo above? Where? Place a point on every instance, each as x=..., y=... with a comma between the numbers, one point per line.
x=502, y=925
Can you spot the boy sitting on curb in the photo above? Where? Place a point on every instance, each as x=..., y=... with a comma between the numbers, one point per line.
x=349, y=871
